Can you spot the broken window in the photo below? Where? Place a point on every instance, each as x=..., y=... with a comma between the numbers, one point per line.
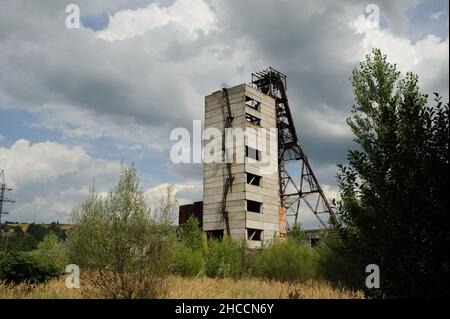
x=253, y=206
x=252, y=119
x=252, y=103
x=215, y=234
x=253, y=179
x=254, y=234
x=252, y=153
x=314, y=241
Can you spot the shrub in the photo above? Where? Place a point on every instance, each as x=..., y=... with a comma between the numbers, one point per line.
x=286, y=260
x=191, y=235
x=336, y=265
x=225, y=258
x=52, y=251
x=187, y=261
x=124, y=244
x=38, y=232
x=19, y=267
x=297, y=232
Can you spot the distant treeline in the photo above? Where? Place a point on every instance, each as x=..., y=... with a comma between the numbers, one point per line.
x=26, y=237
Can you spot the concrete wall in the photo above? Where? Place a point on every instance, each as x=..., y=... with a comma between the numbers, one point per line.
x=240, y=220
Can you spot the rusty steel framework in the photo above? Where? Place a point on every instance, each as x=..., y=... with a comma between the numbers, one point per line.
x=307, y=189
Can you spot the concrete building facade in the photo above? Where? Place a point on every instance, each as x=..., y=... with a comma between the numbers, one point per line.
x=252, y=203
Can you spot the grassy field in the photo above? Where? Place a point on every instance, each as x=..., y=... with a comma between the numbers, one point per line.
x=181, y=288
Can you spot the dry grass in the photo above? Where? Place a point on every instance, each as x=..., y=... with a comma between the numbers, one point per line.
x=54, y=289
x=183, y=288
x=204, y=287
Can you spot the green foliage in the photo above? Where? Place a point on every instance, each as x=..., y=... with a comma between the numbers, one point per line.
x=120, y=238
x=19, y=267
x=187, y=261
x=297, y=232
x=335, y=263
x=394, y=190
x=286, y=260
x=225, y=258
x=57, y=230
x=52, y=251
x=38, y=232
x=30, y=240
x=191, y=235
x=18, y=242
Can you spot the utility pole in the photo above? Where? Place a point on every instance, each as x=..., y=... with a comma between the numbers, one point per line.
x=3, y=198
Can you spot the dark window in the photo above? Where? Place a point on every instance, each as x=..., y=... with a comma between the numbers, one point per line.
x=254, y=207
x=252, y=119
x=252, y=153
x=252, y=103
x=215, y=234
x=253, y=179
x=314, y=241
x=254, y=234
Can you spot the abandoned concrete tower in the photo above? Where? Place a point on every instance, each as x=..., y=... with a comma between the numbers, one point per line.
x=238, y=200
x=248, y=189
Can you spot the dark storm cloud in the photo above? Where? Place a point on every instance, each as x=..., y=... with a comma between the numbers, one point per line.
x=144, y=86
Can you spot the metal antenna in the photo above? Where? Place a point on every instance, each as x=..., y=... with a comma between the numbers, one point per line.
x=3, y=198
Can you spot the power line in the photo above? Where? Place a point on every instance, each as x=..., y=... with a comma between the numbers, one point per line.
x=3, y=198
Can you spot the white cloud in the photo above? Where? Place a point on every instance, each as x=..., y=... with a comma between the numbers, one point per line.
x=427, y=57
x=52, y=177
x=436, y=15
x=191, y=15
x=186, y=193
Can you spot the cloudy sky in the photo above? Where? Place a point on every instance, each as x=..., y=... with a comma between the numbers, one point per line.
x=74, y=102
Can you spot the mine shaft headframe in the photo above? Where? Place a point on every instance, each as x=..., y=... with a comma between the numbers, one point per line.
x=292, y=193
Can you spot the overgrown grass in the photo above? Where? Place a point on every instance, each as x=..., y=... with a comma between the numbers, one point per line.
x=200, y=287
x=286, y=260
x=225, y=258
x=187, y=261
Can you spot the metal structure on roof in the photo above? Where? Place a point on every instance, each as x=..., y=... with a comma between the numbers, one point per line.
x=304, y=192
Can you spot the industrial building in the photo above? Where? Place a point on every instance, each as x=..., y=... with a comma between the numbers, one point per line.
x=248, y=191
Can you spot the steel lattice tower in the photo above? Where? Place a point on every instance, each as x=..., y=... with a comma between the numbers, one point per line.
x=306, y=189
x=3, y=198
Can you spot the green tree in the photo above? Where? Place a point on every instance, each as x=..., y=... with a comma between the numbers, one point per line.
x=17, y=241
x=286, y=260
x=57, y=230
x=394, y=190
x=20, y=267
x=38, y=232
x=225, y=258
x=122, y=244
x=51, y=250
x=191, y=235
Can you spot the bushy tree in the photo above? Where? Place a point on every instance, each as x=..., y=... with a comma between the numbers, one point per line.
x=122, y=245
x=191, y=235
x=52, y=251
x=17, y=241
x=286, y=260
x=20, y=267
x=394, y=190
x=38, y=232
x=187, y=261
x=225, y=258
